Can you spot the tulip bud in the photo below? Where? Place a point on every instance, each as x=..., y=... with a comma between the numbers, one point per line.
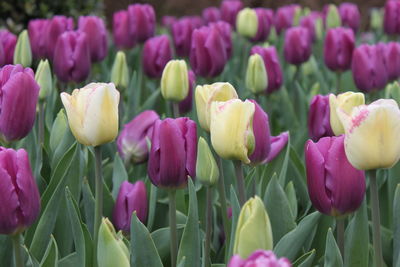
x=333, y=17
x=156, y=54
x=173, y=152
x=335, y=187
x=206, y=94
x=23, y=53
x=301, y=51
x=36, y=30
x=20, y=196
x=256, y=75
x=8, y=41
x=181, y=31
x=132, y=141
x=131, y=197
x=253, y=230
x=206, y=168
x=186, y=104
x=120, y=71
x=167, y=21
x=309, y=23
x=372, y=134
x=284, y=17
x=44, y=78
x=345, y=102
x=231, y=129
x=97, y=36
x=265, y=22
x=55, y=27
x=142, y=20
x=247, y=22
x=175, y=81
x=338, y=49
x=350, y=16
x=277, y=144
x=319, y=118
x=319, y=28
x=93, y=113
x=393, y=91
x=259, y=258
x=230, y=10
x=19, y=92
x=376, y=19
x=225, y=31
x=111, y=249
x=391, y=57
x=123, y=37
x=391, y=23
x=211, y=14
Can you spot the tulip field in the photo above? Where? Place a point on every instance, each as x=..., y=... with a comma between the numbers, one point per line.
x=238, y=137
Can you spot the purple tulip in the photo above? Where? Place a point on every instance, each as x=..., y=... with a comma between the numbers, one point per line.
x=182, y=35
x=156, y=54
x=391, y=19
x=277, y=144
x=208, y=52
x=19, y=95
x=36, y=31
x=19, y=193
x=8, y=40
x=55, y=27
x=132, y=140
x=131, y=197
x=350, y=16
x=261, y=135
x=142, y=21
x=211, y=14
x=225, y=30
x=272, y=66
x=391, y=56
x=368, y=68
x=264, y=24
x=96, y=34
x=319, y=124
x=167, y=21
x=335, y=187
x=197, y=21
x=309, y=23
x=173, y=152
x=2, y=56
x=284, y=17
x=186, y=104
x=297, y=47
x=338, y=48
x=259, y=258
x=72, y=57
x=123, y=38
x=229, y=11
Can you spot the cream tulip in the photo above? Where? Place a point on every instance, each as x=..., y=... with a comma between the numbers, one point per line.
x=175, y=81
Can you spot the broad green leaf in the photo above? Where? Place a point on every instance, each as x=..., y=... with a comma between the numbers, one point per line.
x=69, y=261
x=396, y=227
x=325, y=222
x=119, y=175
x=290, y=192
x=50, y=258
x=182, y=262
x=333, y=258
x=150, y=101
x=88, y=204
x=152, y=206
x=235, y=217
x=305, y=260
x=162, y=241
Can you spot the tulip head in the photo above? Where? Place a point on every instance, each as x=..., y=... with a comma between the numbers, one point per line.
x=259, y=258
x=376, y=18
x=333, y=17
x=391, y=22
x=120, y=71
x=186, y=104
x=225, y=31
x=142, y=21
x=206, y=94
x=96, y=33
x=230, y=10
x=319, y=118
x=264, y=25
x=93, y=113
x=247, y=22
x=123, y=38
x=284, y=17
x=297, y=47
x=206, y=168
x=175, y=81
x=157, y=53
x=345, y=102
x=350, y=16
x=44, y=78
x=181, y=31
x=256, y=74
x=23, y=53
x=8, y=41
x=253, y=230
x=36, y=30
x=211, y=14
x=55, y=27
x=338, y=48
x=391, y=57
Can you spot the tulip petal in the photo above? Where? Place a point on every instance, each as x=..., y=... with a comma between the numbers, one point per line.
x=277, y=144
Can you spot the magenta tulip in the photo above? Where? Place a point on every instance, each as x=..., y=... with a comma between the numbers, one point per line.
x=319, y=124
x=391, y=19
x=142, y=21
x=36, y=31
x=264, y=24
x=96, y=34
x=122, y=36
x=350, y=16
x=284, y=17
x=186, y=104
x=167, y=21
x=309, y=23
x=297, y=47
x=8, y=40
x=156, y=54
x=211, y=14
x=229, y=11
x=277, y=144
x=182, y=35
x=391, y=57
x=55, y=27
x=259, y=258
x=225, y=30
x=338, y=48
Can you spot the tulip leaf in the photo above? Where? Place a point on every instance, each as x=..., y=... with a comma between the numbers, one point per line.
x=182, y=262
x=396, y=227
x=357, y=239
x=143, y=249
x=68, y=261
x=299, y=180
x=152, y=206
x=6, y=250
x=290, y=244
x=305, y=260
x=119, y=175
x=292, y=198
x=50, y=258
x=88, y=204
x=161, y=238
x=325, y=222
x=282, y=174
x=190, y=242
x=333, y=258
x=235, y=217
x=150, y=101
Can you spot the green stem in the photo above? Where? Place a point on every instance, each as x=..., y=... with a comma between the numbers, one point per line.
x=224, y=207
x=172, y=227
x=207, y=247
x=240, y=181
x=175, y=109
x=19, y=261
x=340, y=235
x=41, y=122
x=338, y=81
x=376, y=224
x=98, y=213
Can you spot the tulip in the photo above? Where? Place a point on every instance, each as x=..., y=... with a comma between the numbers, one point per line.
x=44, y=79
x=2, y=55
x=225, y=31
x=319, y=118
x=256, y=74
x=350, y=16
x=197, y=21
x=142, y=21
x=93, y=113
x=111, y=249
x=211, y=14
x=310, y=22
x=19, y=92
x=284, y=17
x=97, y=36
x=132, y=141
x=23, y=53
x=332, y=19
x=173, y=152
x=345, y=102
x=338, y=48
x=393, y=91
x=376, y=21
x=175, y=81
x=206, y=94
x=36, y=30
x=131, y=197
x=186, y=104
x=167, y=21
x=156, y=54
x=368, y=68
x=208, y=52
x=72, y=57
x=9, y=42
x=371, y=134
x=206, y=168
x=391, y=56
x=272, y=66
x=20, y=196
x=229, y=11
x=391, y=20
x=55, y=27
x=253, y=230
x=297, y=47
x=265, y=20
x=122, y=36
x=277, y=144
x=182, y=35
x=335, y=187
x=247, y=22
x=120, y=71
x=231, y=124
x=259, y=258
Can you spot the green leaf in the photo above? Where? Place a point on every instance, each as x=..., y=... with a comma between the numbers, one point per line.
x=162, y=241
x=151, y=100
x=190, y=242
x=119, y=175
x=333, y=258
x=6, y=250
x=305, y=260
x=152, y=206
x=282, y=174
x=143, y=249
x=396, y=227
x=50, y=258
x=68, y=261
x=182, y=262
x=88, y=204
x=235, y=217
x=290, y=192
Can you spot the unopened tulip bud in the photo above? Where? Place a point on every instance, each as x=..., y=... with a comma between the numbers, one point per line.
x=186, y=104
x=393, y=91
x=54, y=28
x=23, y=53
x=206, y=168
x=230, y=10
x=44, y=78
x=142, y=20
x=175, y=81
x=156, y=54
x=123, y=37
x=333, y=17
x=284, y=17
x=319, y=118
x=265, y=23
x=350, y=16
x=256, y=74
x=36, y=30
x=391, y=57
x=120, y=71
x=297, y=46
x=338, y=48
x=211, y=14
x=8, y=40
x=319, y=28
x=247, y=23
x=259, y=258
x=96, y=33
x=376, y=19
x=391, y=24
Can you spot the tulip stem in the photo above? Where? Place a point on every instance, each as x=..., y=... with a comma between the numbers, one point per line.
x=240, y=181
x=338, y=81
x=98, y=213
x=207, y=246
x=175, y=109
x=172, y=226
x=376, y=224
x=41, y=123
x=340, y=235
x=224, y=207
x=19, y=262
